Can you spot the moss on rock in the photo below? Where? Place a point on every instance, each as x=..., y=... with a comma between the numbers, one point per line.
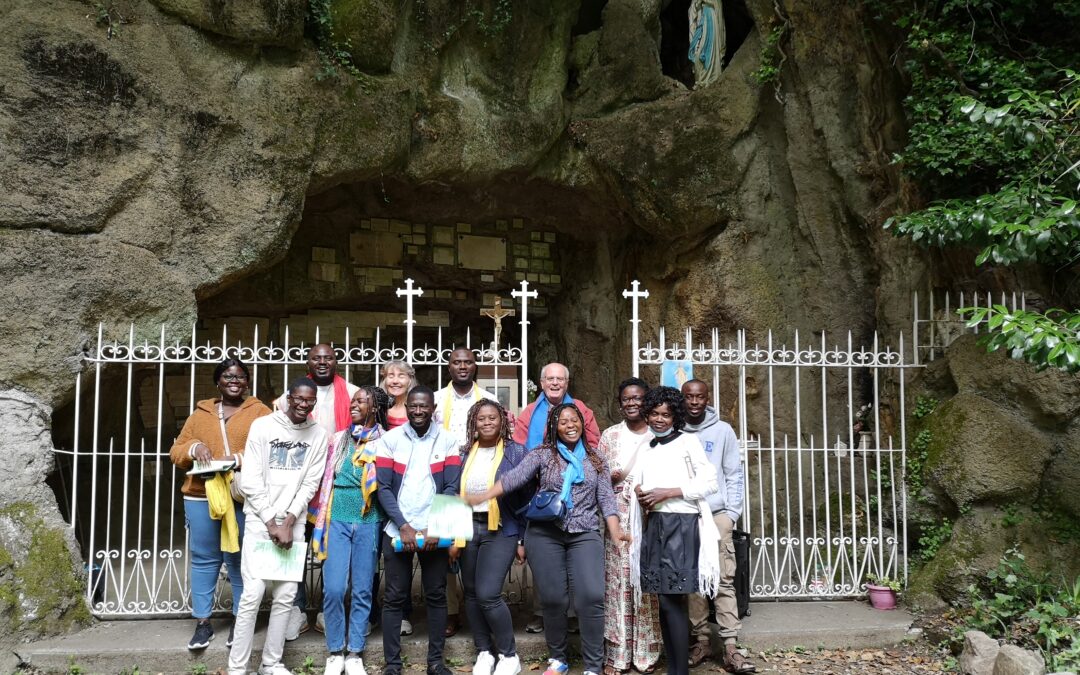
x=41, y=589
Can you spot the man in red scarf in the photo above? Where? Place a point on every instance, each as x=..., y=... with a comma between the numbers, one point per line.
x=331, y=412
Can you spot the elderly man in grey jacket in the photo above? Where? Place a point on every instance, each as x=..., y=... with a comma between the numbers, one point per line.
x=722, y=448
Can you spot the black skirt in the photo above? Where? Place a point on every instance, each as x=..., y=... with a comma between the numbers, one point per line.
x=669, y=553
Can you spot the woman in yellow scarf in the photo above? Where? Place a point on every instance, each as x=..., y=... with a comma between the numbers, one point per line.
x=497, y=532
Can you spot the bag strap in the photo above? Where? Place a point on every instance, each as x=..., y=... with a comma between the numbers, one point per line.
x=221, y=423
x=633, y=458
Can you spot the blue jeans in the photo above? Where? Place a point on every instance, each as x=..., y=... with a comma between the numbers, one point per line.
x=204, y=544
x=352, y=551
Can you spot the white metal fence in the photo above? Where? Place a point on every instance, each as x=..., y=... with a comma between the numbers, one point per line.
x=123, y=490
x=936, y=323
x=823, y=503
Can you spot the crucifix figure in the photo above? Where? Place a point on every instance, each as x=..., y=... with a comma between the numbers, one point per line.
x=497, y=314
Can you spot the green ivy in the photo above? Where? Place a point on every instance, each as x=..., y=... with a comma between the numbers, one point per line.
x=994, y=142
x=934, y=536
x=335, y=54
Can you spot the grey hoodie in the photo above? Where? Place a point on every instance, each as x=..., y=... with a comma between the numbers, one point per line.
x=722, y=448
x=283, y=466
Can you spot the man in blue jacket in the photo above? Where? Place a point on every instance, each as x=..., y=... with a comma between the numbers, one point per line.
x=722, y=448
x=413, y=463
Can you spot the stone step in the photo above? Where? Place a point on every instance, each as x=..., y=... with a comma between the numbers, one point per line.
x=159, y=646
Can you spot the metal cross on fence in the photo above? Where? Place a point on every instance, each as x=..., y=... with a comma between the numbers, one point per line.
x=634, y=296
x=524, y=294
x=409, y=292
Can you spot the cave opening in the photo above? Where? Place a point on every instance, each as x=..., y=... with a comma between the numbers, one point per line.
x=675, y=36
x=589, y=18
x=355, y=245
x=675, y=42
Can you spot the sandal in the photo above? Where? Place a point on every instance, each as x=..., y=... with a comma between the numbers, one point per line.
x=735, y=662
x=699, y=653
x=612, y=670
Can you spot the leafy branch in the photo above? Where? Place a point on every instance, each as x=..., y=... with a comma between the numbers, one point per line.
x=1047, y=339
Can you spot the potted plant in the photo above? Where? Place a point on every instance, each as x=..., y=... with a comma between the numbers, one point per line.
x=882, y=591
x=864, y=426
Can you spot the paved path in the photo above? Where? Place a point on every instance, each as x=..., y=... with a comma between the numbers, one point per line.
x=159, y=646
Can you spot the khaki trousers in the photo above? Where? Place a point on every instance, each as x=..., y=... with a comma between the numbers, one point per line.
x=727, y=610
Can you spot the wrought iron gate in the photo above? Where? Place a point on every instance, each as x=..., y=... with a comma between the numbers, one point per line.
x=824, y=505
x=123, y=489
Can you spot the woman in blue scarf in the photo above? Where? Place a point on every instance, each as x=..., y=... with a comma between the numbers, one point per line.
x=571, y=547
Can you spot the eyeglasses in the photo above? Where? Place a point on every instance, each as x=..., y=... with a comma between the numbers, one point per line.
x=300, y=400
x=554, y=378
x=229, y=377
x=631, y=399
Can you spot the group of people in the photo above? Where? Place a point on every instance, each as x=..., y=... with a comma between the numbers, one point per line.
x=631, y=530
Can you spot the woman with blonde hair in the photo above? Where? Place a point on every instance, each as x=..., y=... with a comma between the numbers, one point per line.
x=398, y=378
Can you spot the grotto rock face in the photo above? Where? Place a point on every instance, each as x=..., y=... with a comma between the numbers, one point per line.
x=157, y=155
x=1001, y=466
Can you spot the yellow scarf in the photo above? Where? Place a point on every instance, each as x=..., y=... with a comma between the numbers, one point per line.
x=493, y=504
x=448, y=402
x=219, y=499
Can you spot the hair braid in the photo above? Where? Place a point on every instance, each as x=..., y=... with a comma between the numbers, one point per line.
x=470, y=425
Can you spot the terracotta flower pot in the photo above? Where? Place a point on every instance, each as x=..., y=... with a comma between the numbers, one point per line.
x=881, y=597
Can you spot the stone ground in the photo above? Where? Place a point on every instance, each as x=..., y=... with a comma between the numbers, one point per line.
x=793, y=637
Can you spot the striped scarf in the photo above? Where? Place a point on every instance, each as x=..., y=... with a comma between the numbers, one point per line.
x=353, y=443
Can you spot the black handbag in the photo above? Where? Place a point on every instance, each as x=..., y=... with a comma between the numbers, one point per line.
x=545, y=507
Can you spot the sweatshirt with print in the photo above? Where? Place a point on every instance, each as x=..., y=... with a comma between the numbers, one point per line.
x=722, y=448
x=283, y=466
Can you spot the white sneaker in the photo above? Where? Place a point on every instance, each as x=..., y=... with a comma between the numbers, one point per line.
x=276, y=669
x=354, y=665
x=508, y=665
x=335, y=665
x=320, y=624
x=484, y=662
x=406, y=627
x=297, y=624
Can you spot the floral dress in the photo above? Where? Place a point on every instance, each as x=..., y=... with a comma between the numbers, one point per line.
x=632, y=633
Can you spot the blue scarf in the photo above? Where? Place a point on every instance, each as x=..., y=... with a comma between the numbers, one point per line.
x=574, y=474
x=538, y=421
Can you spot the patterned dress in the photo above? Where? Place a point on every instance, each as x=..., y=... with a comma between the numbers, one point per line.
x=632, y=633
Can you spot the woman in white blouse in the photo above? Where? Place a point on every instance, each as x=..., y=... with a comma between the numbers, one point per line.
x=676, y=553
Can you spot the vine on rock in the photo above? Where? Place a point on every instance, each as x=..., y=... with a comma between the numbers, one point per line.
x=994, y=141
x=335, y=55
x=773, y=55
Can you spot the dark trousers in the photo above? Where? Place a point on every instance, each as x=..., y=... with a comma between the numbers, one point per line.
x=675, y=629
x=565, y=563
x=398, y=569
x=484, y=565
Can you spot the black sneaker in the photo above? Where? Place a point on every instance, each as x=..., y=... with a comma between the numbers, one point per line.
x=204, y=633
x=228, y=640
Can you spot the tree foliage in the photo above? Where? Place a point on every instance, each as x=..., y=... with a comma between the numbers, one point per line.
x=994, y=140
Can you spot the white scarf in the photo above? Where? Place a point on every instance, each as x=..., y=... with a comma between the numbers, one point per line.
x=708, y=551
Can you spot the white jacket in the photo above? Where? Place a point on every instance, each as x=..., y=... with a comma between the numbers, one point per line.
x=283, y=466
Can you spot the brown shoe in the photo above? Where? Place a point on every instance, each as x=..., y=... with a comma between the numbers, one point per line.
x=699, y=653
x=735, y=662
x=453, y=625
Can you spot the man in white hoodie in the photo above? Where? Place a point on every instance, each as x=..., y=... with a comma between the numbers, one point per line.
x=283, y=465
x=722, y=448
